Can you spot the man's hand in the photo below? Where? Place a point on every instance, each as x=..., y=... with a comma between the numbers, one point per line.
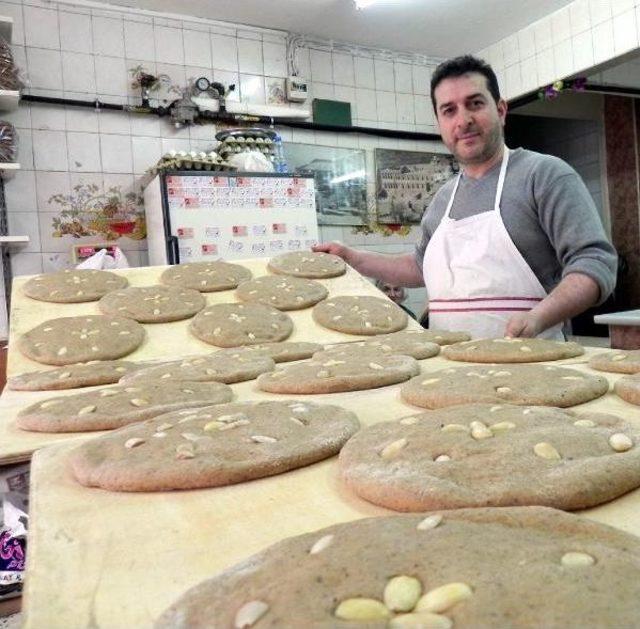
x=575, y=293
x=524, y=325
x=335, y=248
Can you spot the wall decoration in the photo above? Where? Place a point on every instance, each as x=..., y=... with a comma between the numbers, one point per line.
x=276, y=94
x=406, y=182
x=340, y=178
x=88, y=211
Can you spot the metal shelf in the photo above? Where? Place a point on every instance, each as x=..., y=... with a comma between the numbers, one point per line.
x=10, y=240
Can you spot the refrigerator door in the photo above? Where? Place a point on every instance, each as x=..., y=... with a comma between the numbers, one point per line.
x=229, y=216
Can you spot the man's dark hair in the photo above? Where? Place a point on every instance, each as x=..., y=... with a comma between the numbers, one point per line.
x=461, y=65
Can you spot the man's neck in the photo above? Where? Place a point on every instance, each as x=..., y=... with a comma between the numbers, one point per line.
x=475, y=171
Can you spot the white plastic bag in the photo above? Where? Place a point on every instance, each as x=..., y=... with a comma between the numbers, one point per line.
x=102, y=260
x=251, y=162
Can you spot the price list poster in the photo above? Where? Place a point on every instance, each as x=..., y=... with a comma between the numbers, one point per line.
x=235, y=217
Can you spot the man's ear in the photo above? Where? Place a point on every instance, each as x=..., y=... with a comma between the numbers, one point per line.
x=502, y=109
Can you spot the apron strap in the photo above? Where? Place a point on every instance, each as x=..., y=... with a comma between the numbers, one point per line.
x=501, y=178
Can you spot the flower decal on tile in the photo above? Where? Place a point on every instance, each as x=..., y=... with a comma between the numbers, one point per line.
x=88, y=211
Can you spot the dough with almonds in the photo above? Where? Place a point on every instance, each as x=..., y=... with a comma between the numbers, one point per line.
x=206, y=277
x=308, y=264
x=540, y=385
x=214, y=445
x=511, y=351
x=69, y=340
x=483, y=455
x=73, y=286
x=281, y=292
x=516, y=567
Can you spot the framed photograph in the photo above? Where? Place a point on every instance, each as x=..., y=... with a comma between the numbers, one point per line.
x=340, y=180
x=406, y=182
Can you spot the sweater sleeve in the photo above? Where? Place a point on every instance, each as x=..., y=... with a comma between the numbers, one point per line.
x=570, y=219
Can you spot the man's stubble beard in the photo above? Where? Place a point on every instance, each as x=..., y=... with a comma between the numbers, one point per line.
x=495, y=141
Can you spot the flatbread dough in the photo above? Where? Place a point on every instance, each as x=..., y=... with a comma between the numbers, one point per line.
x=233, y=325
x=153, y=304
x=225, y=365
x=335, y=375
x=510, y=350
x=620, y=361
x=69, y=340
x=117, y=406
x=308, y=264
x=446, y=337
x=542, y=385
x=97, y=372
x=628, y=388
x=72, y=286
x=412, y=343
x=206, y=277
x=286, y=351
x=281, y=292
x=360, y=315
x=480, y=455
x=212, y=446
x=474, y=568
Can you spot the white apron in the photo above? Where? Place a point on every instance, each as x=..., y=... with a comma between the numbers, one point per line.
x=475, y=276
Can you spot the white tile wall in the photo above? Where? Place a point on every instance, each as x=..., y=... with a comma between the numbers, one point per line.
x=250, y=56
x=84, y=152
x=403, y=78
x=321, y=66
x=96, y=48
x=274, y=57
x=364, y=72
x=50, y=150
x=565, y=43
x=78, y=72
x=108, y=36
x=197, y=49
x=343, y=69
x=139, y=41
x=75, y=32
x=224, y=52
x=41, y=27
x=384, y=75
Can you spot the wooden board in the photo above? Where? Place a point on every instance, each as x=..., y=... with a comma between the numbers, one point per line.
x=112, y=560
x=166, y=341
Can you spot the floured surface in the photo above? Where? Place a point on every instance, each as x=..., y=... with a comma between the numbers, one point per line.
x=167, y=341
x=172, y=339
x=231, y=523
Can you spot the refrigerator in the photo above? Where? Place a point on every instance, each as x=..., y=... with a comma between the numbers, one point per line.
x=195, y=216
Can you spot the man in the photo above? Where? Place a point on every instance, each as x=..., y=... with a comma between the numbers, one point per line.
x=513, y=246
x=396, y=294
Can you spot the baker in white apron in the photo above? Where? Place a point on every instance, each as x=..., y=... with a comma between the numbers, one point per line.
x=475, y=276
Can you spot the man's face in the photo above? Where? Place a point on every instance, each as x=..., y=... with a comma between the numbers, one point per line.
x=394, y=293
x=471, y=122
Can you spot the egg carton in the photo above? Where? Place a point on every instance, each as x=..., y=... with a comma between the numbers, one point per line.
x=183, y=160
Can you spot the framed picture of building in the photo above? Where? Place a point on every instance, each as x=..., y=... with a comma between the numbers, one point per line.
x=340, y=180
x=406, y=182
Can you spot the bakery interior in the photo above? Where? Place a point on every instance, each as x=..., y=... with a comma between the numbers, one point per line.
x=332, y=448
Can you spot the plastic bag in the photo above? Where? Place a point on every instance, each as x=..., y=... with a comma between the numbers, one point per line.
x=8, y=142
x=14, y=498
x=251, y=162
x=9, y=73
x=102, y=260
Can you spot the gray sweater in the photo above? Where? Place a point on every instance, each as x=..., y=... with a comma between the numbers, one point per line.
x=548, y=213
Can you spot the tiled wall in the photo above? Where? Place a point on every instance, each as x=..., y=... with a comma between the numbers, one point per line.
x=79, y=51
x=581, y=35
x=85, y=50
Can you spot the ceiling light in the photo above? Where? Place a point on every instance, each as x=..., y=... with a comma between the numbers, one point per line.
x=363, y=4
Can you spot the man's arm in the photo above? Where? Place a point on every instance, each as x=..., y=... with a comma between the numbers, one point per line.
x=573, y=295
x=400, y=270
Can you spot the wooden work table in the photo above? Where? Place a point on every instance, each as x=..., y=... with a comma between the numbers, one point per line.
x=114, y=560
